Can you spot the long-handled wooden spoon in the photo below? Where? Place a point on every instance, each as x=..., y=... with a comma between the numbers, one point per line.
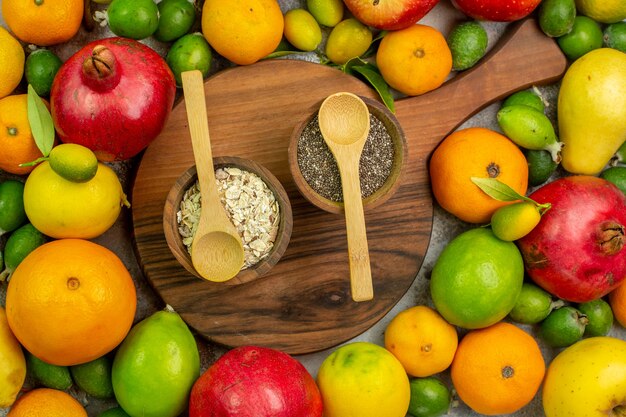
x=216, y=251
x=344, y=121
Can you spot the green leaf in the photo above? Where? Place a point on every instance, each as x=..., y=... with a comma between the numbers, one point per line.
x=371, y=74
x=498, y=190
x=40, y=121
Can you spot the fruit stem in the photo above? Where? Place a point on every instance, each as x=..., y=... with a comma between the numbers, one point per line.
x=100, y=69
x=618, y=411
x=556, y=304
x=555, y=150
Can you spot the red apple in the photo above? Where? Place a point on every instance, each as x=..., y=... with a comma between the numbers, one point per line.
x=252, y=381
x=389, y=14
x=497, y=10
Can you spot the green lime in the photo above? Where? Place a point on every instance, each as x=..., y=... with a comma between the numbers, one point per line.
x=12, y=214
x=585, y=36
x=533, y=305
x=616, y=175
x=40, y=68
x=302, y=30
x=468, y=44
x=19, y=244
x=514, y=221
x=540, y=166
x=615, y=36
x=175, y=19
x=429, y=397
x=73, y=162
x=191, y=52
x=348, y=39
x=114, y=412
x=556, y=17
x=563, y=327
x=135, y=19
x=326, y=12
x=600, y=317
x=477, y=278
x=94, y=377
x=46, y=374
x=527, y=98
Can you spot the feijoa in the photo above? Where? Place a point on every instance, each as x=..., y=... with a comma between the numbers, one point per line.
x=616, y=175
x=585, y=36
x=527, y=98
x=48, y=375
x=19, y=244
x=468, y=44
x=135, y=19
x=600, y=317
x=175, y=19
x=533, y=305
x=12, y=214
x=40, y=69
x=556, y=17
x=302, y=30
x=541, y=166
x=563, y=327
x=615, y=36
x=190, y=52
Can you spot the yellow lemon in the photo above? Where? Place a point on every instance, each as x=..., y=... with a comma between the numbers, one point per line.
x=11, y=62
x=12, y=363
x=61, y=208
x=363, y=379
x=421, y=340
x=242, y=31
x=604, y=11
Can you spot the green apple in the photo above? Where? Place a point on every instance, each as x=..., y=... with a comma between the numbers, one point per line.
x=588, y=379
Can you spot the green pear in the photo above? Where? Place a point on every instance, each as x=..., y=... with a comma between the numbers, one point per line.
x=591, y=110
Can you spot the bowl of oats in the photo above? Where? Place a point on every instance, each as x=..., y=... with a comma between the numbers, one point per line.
x=315, y=172
x=255, y=202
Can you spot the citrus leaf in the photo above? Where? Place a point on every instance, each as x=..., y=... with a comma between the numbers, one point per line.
x=371, y=74
x=40, y=121
x=348, y=67
x=498, y=190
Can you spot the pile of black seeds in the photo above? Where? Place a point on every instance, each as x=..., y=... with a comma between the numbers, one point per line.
x=319, y=168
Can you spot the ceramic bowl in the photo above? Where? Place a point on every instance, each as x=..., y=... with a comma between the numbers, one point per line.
x=382, y=113
x=188, y=178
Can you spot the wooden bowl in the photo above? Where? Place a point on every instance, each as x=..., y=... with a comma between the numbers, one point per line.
x=382, y=113
x=188, y=178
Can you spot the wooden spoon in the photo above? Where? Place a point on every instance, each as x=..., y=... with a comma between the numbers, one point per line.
x=344, y=121
x=216, y=251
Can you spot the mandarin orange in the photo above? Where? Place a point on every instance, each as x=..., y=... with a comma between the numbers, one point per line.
x=17, y=145
x=498, y=369
x=475, y=152
x=47, y=402
x=70, y=301
x=414, y=60
x=43, y=23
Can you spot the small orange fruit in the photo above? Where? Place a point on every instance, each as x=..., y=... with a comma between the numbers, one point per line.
x=70, y=301
x=12, y=60
x=43, y=23
x=498, y=369
x=617, y=301
x=242, y=31
x=475, y=152
x=414, y=60
x=17, y=144
x=421, y=340
x=47, y=402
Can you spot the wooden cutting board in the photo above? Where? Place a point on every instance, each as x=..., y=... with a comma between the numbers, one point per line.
x=304, y=304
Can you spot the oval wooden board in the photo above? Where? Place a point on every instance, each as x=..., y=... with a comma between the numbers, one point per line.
x=304, y=304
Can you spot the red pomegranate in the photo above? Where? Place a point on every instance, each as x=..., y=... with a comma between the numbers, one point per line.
x=251, y=381
x=577, y=252
x=113, y=96
x=497, y=10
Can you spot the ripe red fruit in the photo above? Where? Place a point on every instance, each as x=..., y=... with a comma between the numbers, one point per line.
x=113, y=96
x=497, y=10
x=577, y=252
x=389, y=14
x=251, y=381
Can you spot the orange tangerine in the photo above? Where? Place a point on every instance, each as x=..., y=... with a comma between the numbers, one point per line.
x=47, y=402
x=475, y=152
x=70, y=301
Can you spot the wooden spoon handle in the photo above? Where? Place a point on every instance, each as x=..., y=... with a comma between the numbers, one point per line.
x=358, y=252
x=195, y=104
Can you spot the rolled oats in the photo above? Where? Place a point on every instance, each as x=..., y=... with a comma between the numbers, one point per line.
x=250, y=205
